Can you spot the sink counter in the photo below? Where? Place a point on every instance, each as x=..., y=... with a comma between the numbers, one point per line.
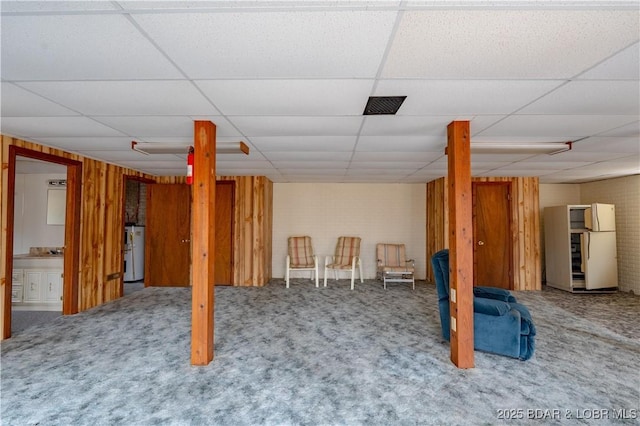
x=24, y=261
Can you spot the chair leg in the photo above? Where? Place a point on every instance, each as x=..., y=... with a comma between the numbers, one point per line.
x=353, y=276
x=286, y=277
x=315, y=274
x=326, y=271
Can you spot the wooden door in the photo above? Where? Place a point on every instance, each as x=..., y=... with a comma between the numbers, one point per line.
x=223, y=267
x=492, y=234
x=168, y=235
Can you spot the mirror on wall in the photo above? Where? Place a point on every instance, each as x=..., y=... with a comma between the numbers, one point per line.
x=56, y=206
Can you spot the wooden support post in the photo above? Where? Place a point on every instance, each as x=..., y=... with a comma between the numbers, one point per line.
x=460, y=243
x=203, y=242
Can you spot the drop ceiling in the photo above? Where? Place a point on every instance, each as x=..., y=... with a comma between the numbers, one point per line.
x=291, y=80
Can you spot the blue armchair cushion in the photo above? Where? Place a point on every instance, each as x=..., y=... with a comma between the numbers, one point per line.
x=500, y=324
x=490, y=306
x=494, y=293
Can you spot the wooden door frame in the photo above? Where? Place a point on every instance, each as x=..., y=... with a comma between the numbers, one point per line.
x=126, y=178
x=232, y=183
x=71, y=266
x=509, y=186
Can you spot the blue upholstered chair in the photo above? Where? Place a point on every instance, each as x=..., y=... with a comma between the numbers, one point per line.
x=501, y=325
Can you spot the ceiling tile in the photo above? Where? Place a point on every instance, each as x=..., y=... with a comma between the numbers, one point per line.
x=504, y=44
x=406, y=165
x=308, y=97
x=296, y=126
x=456, y=97
x=628, y=130
x=164, y=128
x=611, y=144
x=55, y=127
x=564, y=127
x=126, y=97
x=396, y=125
x=280, y=165
x=308, y=155
x=18, y=102
x=590, y=97
x=304, y=144
x=285, y=44
x=88, y=143
x=78, y=47
x=623, y=65
x=395, y=156
x=407, y=143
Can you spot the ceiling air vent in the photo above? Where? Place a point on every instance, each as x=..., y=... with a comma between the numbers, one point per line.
x=383, y=105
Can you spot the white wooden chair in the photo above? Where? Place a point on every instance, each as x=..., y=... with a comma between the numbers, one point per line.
x=301, y=257
x=346, y=258
x=393, y=266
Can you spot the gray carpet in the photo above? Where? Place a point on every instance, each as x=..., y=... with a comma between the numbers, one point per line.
x=307, y=356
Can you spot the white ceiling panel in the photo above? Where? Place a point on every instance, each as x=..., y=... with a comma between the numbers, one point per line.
x=308, y=155
x=573, y=156
x=284, y=44
x=590, y=97
x=564, y=127
x=405, y=165
x=311, y=164
x=304, y=144
x=597, y=144
x=18, y=102
x=88, y=143
x=308, y=97
x=126, y=97
x=395, y=125
x=56, y=6
x=455, y=97
x=337, y=171
x=402, y=144
x=163, y=128
x=390, y=156
x=78, y=47
x=297, y=126
x=55, y=127
x=542, y=165
x=507, y=44
x=628, y=130
x=623, y=66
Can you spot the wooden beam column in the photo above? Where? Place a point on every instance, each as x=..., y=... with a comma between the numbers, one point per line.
x=460, y=243
x=203, y=242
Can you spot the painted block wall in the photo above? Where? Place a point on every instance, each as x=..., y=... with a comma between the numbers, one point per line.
x=30, y=214
x=624, y=193
x=392, y=213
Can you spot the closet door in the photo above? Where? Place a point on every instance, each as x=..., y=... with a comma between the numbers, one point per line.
x=168, y=235
x=492, y=234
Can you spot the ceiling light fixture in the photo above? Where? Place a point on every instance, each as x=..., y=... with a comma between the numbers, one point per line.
x=179, y=148
x=533, y=148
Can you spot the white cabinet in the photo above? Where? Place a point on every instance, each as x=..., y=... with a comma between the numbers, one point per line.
x=39, y=289
x=580, y=248
x=17, y=287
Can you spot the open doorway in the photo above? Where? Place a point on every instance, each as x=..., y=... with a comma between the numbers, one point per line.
x=39, y=285
x=38, y=242
x=134, y=242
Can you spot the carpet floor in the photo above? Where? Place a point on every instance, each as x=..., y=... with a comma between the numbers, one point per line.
x=320, y=356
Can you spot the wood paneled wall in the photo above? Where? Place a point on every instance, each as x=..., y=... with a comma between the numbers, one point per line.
x=526, y=226
x=102, y=223
x=253, y=227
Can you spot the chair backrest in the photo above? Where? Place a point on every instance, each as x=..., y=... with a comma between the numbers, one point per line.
x=346, y=249
x=391, y=254
x=300, y=251
x=440, y=263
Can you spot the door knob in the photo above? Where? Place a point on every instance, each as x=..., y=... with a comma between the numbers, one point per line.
x=480, y=243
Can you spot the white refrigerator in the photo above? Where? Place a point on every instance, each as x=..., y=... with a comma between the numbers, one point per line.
x=133, y=253
x=598, y=244
x=580, y=247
